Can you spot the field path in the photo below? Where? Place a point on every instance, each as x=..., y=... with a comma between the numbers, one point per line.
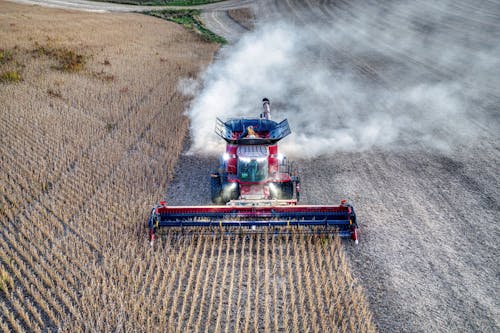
x=214, y=15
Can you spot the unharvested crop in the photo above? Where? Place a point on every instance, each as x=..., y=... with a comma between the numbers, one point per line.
x=67, y=59
x=10, y=69
x=6, y=282
x=83, y=160
x=5, y=56
x=10, y=76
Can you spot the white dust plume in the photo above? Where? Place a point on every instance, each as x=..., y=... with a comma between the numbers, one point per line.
x=406, y=76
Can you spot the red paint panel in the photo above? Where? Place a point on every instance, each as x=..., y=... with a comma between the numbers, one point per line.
x=273, y=159
x=231, y=162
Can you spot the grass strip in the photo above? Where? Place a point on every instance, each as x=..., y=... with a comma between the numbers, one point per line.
x=161, y=2
x=188, y=18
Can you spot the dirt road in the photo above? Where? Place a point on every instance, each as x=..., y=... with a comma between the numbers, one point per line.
x=214, y=15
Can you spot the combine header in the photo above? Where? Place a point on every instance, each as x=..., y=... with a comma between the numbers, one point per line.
x=255, y=186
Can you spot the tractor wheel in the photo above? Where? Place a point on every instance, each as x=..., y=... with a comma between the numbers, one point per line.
x=235, y=194
x=216, y=189
x=228, y=195
x=286, y=191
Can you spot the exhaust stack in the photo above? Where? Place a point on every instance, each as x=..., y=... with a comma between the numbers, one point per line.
x=267, y=109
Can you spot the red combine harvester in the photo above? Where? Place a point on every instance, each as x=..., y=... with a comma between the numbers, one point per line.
x=255, y=186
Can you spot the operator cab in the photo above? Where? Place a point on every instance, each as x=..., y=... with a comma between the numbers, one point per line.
x=252, y=163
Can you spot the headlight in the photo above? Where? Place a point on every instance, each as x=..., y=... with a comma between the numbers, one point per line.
x=274, y=189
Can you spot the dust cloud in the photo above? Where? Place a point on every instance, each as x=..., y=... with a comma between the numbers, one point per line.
x=389, y=77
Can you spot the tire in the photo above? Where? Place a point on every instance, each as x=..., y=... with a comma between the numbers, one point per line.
x=228, y=195
x=286, y=191
x=216, y=190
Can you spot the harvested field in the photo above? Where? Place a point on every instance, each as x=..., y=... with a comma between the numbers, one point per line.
x=244, y=16
x=90, y=137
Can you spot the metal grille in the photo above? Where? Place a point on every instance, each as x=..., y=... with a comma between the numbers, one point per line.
x=252, y=151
